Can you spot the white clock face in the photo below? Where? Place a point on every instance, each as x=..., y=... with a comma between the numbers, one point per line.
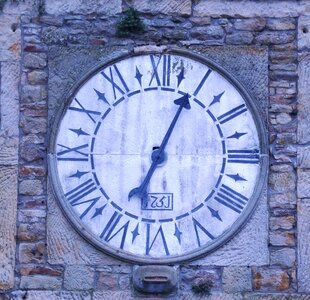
x=158, y=158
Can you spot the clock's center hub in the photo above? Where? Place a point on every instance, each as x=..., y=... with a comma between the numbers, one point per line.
x=158, y=156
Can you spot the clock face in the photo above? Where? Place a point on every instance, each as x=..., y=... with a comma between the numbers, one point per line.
x=158, y=157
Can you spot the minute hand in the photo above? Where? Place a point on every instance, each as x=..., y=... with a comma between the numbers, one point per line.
x=158, y=158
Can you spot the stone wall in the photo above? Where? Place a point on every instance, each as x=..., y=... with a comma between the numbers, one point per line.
x=41, y=256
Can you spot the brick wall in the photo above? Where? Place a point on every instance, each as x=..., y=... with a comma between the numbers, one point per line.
x=31, y=29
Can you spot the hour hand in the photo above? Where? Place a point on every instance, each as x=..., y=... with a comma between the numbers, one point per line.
x=140, y=193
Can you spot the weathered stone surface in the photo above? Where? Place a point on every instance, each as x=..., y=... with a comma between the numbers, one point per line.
x=9, y=103
x=255, y=24
x=275, y=37
x=237, y=279
x=285, y=257
x=31, y=232
x=248, y=9
x=37, y=77
x=9, y=38
x=35, y=60
x=283, y=200
x=78, y=277
x=65, y=245
x=282, y=182
x=206, y=33
x=281, y=24
x=287, y=222
x=40, y=282
x=31, y=215
x=303, y=252
x=282, y=238
x=173, y=7
x=119, y=295
x=31, y=187
x=303, y=99
x=51, y=295
x=303, y=186
x=276, y=296
x=303, y=156
x=8, y=203
x=58, y=7
x=29, y=7
x=267, y=279
x=304, y=32
x=213, y=296
x=31, y=252
x=240, y=38
x=39, y=270
x=107, y=281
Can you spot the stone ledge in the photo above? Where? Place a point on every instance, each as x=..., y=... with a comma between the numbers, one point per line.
x=250, y=9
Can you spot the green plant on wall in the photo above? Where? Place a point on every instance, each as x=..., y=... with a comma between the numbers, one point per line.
x=130, y=24
x=202, y=287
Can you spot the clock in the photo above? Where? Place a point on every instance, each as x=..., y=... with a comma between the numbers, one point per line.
x=158, y=157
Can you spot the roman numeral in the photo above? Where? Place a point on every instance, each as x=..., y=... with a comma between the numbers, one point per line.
x=149, y=243
x=199, y=228
x=110, y=232
x=163, y=80
x=120, y=86
x=243, y=156
x=91, y=202
x=78, y=154
x=201, y=83
x=233, y=113
x=80, y=191
x=231, y=199
x=82, y=109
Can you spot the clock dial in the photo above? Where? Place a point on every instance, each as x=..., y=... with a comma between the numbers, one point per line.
x=158, y=157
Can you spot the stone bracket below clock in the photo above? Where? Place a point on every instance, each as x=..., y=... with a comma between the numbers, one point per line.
x=155, y=279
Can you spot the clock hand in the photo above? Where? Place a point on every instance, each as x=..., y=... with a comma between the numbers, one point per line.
x=158, y=154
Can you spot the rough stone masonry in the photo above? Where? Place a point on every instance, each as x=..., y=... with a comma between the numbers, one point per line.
x=41, y=255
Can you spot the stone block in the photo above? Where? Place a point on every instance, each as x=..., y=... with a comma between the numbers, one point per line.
x=119, y=295
x=303, y=156
x=9, y=103
x=267, y=279
x=286, y=223
x=31, y=232
x=79, y=277
x=41, y=282
x=237, y=279
x=28, y=7
x=282, y=182
x=31, y=187
x=275, y=37
x=107, y=281
x=303, y=250
x=31, y=252
x=285, y=257
x=51, y=295
x=35, y=60
x=8, y=204
x=304, y=33
x=303, y=186
x=303, y=132
x=106, y=7
x=31, y=215
x=283, y=200
x=240, y=38
x=254, y=24
x=172, y=7
x=247, y=9
x=282, y=238
x=213, y=296
x=9, y=38
x=281, y=24
x=40, y=270
x=276, y=296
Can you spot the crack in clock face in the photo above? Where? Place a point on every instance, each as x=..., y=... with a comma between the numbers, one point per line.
x=189, y=175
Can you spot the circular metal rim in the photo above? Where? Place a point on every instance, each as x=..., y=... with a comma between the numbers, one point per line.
x=199, y=253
